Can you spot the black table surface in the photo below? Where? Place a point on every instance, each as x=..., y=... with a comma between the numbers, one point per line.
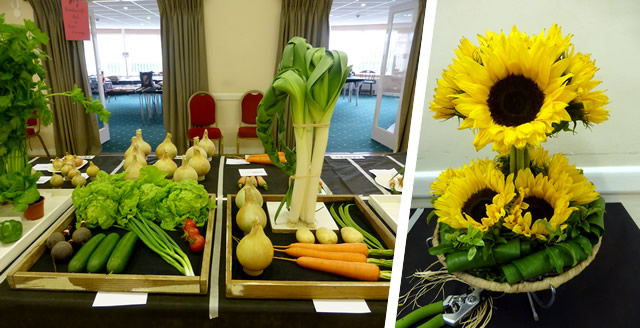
x=603, y=295
x=29, y=308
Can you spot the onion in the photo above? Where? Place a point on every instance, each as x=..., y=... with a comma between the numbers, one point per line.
x=255, y=251
x=249, y=214
x=57, y=164
x=140, y=157
x=56, y=181
x=72, y=173
x=68, y=159
x=133, y=171
x=196, y=145
x=200, y=164
x=92, y=170
x=166, y=164
x=167, y=147
x=78, y=180
x=185, y=171
x=251, y=190
x=131, y=147
x=65, y=169
x=142, y=145
x=77, y=161
x=207, y=144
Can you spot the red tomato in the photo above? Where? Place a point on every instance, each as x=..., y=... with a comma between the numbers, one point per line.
x=188, y=223
x=192, y=232
x=197, y=244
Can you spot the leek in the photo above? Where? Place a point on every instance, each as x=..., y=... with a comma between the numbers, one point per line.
x=311, y=78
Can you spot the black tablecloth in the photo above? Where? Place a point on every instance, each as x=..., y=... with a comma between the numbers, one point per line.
x=603, y=295
x=29, y=308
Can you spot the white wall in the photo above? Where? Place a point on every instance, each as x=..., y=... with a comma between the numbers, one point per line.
x=609, y=30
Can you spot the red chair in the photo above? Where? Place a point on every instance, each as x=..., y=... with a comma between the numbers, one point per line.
x=33, y=130
x=202, y=115
x=249, y=105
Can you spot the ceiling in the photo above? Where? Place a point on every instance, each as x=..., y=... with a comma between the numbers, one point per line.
x=144, y=14
x=141, y=14
x=362, y=12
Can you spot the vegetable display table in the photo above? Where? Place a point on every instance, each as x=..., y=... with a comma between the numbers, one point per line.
x=29, y=308
x=603, y=295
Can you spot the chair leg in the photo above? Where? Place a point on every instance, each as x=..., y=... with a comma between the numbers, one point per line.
x=221, y=144
x=238, y=145
x=43, y=145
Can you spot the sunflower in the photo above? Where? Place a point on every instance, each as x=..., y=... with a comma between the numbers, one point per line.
x=538, y=202
x=477, y=196
x=513, y=89
x=588, y=104
x=441, y=183
x=568, y=179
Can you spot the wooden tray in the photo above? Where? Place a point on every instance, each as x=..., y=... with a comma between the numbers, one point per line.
x=339, y=288
x=21, y=277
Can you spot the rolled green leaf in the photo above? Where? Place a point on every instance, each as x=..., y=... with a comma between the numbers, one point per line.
x=558, y=257
x=458, y=261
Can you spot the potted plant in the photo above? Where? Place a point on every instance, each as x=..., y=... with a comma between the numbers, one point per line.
x=23, y=97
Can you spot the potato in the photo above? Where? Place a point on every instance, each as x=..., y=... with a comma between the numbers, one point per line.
x=351, y=235
x=326, y=236
x=304, y=235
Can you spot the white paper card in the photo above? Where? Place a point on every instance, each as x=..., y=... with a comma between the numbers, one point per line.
x=84, y=175
x=323, y=218
x=41, y=167
x=347, y=157
x=119, y=299
x=236, y=161
x=252, y=172
x=43, y=180
x=341, y=306
x=87, y=157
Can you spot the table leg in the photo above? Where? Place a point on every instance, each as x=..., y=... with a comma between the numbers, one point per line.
x=141, y=98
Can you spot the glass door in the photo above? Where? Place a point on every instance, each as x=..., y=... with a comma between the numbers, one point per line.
x=400, y=28
x=103, y=128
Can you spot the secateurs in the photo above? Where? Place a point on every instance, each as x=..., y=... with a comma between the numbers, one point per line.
x=460, y=306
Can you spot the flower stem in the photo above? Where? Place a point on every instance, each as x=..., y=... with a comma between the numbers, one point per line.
x=518, y=159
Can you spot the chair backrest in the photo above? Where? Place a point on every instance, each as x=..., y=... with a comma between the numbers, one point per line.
x=368, y=74
x=202, y=109
x=146, y=79
x=249, y=104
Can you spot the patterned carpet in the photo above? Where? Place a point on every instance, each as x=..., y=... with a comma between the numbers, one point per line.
x=350, y=129
x=125, y=120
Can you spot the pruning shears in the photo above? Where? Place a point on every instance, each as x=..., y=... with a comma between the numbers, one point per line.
x=449, y=312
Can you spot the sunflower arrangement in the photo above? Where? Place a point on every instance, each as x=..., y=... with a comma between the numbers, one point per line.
x=523, y=215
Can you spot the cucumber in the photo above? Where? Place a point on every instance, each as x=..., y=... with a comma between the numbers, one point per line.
x=79, y=262
x=120, y=256
x=100, y=256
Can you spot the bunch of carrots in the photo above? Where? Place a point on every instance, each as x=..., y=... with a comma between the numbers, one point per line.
x=347, y=259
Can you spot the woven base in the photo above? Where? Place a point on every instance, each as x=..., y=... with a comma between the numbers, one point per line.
x=523, y=287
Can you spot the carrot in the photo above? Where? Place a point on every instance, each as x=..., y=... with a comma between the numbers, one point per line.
x=354, y=270
x=340, y=256
x=242, y=181
x=344, y=247
x=262, y=183
x=264, y=158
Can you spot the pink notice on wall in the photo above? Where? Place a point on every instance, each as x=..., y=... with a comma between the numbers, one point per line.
x=75, y=14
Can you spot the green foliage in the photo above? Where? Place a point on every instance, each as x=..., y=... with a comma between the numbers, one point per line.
x=112, y=199
x=19, y=188
x=22, y=86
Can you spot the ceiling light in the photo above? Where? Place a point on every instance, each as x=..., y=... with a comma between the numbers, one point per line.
x=148, y=17
x=125, y=7
x=363, y=5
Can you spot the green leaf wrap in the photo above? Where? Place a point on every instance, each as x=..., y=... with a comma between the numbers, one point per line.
x=515, y=248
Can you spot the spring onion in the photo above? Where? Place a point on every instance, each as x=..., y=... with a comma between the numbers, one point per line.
x=311, y=79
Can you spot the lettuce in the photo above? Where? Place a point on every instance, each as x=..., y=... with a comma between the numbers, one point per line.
x=97, y=202
x=187, y=200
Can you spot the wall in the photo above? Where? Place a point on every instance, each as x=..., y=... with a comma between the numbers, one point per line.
x=27, y=13
x=241, y=38
x=609, y=30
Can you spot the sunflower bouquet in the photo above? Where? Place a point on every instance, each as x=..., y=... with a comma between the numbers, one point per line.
x=524, y=215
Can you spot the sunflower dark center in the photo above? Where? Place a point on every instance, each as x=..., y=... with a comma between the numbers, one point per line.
x=539, y=209
x=475, y=206
x=515, y=100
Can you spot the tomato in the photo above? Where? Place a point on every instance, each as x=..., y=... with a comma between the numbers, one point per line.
x=190, y=232
x=197, y=243
x=188, y=223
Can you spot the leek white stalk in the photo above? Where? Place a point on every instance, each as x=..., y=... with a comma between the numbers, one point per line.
x=312, y=79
